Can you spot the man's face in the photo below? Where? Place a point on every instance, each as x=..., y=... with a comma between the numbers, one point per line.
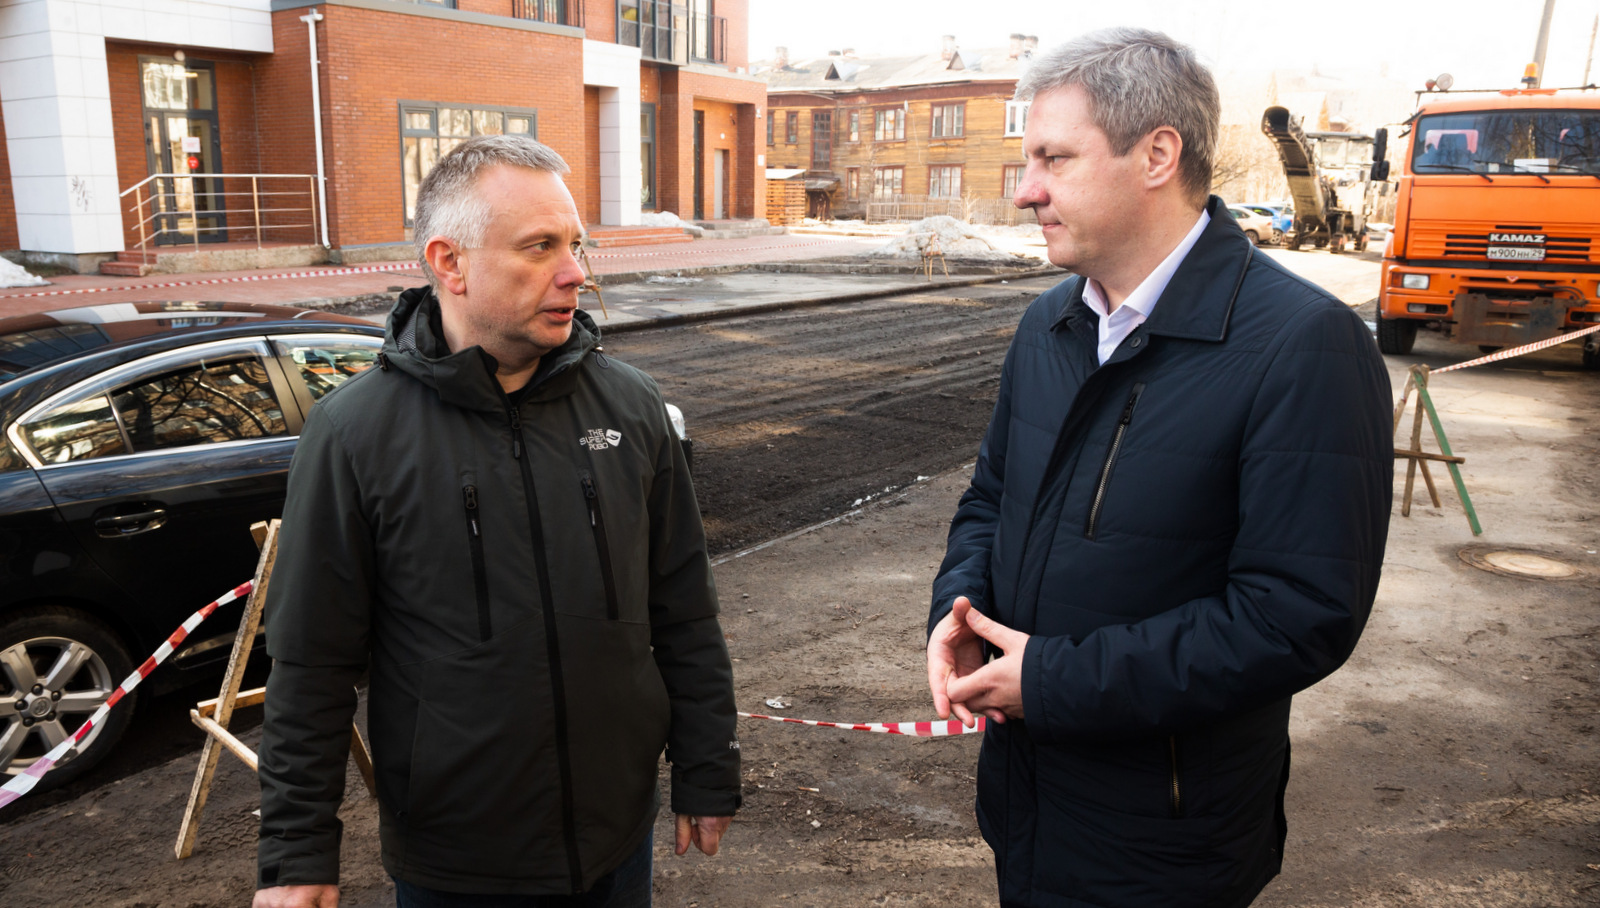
x=1086, y=197
x=522, y=280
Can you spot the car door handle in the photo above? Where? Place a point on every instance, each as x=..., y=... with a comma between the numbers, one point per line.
x=129, y=524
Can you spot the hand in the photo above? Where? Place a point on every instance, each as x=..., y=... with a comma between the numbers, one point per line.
x=994, y=689
x=704, y=832
x=954, y=651
x=323, y=896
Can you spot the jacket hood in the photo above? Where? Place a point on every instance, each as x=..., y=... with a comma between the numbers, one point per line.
x=414, y=343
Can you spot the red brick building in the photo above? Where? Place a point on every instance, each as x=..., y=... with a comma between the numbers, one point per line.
x=648, y=100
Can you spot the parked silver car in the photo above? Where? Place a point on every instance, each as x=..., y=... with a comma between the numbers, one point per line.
x=1255, y=226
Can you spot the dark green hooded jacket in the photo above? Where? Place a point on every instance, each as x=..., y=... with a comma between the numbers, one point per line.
x=527, y=580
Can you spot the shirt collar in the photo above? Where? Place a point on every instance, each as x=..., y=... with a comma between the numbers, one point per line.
x=1143, y=298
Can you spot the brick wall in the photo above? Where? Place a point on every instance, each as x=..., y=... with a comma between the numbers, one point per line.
x=738, y=15
x=681, y=93
x=236, y=124
x=374, y=59
x=591, y=155
x=8, y=203
x=600, y=20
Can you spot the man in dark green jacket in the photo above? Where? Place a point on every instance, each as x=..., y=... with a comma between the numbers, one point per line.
x=497, y=523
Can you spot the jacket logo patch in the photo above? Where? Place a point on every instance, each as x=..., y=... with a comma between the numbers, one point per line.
x=600, y=439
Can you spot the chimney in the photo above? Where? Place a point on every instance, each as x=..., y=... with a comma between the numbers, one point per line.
x=850, y=53
x=780, y=59
x=947, y=47
x=833, y=53
x=1030, y=43
x=1016, y=46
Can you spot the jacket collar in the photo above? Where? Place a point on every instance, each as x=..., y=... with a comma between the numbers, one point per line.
x=414, y=343
x=1199, y=299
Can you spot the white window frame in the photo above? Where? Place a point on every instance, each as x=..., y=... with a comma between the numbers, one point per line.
x=1017, y=117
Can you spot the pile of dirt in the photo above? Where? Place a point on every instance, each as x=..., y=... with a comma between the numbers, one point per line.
x=944, y=235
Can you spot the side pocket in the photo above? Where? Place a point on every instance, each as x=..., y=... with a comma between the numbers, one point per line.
x=480, y=571
x=597, y=524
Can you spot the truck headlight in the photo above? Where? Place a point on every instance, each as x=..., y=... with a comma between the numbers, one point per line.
x=1414, y=281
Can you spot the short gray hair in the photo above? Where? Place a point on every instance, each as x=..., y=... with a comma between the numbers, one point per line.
x=448, y=203
x=1137, y=81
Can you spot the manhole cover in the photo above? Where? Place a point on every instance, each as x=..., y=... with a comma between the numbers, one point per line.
x=1513, y=563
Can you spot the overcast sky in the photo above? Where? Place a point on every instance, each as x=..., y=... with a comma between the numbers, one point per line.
x=1483, y=43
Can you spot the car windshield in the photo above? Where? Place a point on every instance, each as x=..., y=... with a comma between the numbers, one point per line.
x=1508, y=141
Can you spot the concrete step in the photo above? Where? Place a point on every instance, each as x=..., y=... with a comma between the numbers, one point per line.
x=118, y=268
x=637, y=236
x=735, y=233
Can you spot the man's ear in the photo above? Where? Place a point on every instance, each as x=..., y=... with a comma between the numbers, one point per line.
x=444, y=257
x=1163, y=150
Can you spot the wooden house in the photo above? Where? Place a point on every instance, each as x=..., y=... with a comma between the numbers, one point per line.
x=900, y=138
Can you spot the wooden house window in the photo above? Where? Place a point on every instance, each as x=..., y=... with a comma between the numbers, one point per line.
x=1016, y=117
x=770, y=118
x=889, y=125
x=944, y=181
x=948, y=120
x=794, y=127
x=855, y=126
x=887, y=181
x=852, y=183
x=1013, y=176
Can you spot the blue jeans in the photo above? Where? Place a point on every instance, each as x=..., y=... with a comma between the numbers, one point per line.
x=626, y=887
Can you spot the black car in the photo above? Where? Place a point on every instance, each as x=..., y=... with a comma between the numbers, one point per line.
x=140, y=442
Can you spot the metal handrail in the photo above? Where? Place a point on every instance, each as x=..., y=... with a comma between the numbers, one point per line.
x=194, y=213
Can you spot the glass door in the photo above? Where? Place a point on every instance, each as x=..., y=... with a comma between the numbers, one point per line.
x=182, y=138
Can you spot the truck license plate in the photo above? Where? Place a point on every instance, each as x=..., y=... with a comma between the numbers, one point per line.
x=1517, y=253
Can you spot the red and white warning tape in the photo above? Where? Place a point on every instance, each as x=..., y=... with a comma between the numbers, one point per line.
x=24, y=781
x=397, y=267
x=1518, y=351
x=938, y=729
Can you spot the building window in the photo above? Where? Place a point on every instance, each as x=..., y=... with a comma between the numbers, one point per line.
x=771, y=117
x=887, y=181
x=944, y=181
x=889, y=125
x=852, y=183
x=647, y=155
x=855, y=126
x=429, y=132
x=948, y=120
x=793, y=131
x=1016, y=117
x=1013, y=176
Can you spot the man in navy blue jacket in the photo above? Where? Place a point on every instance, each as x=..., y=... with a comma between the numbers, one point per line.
x=1177, y=517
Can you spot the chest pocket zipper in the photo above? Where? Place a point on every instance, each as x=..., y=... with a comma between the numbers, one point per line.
x=480, y=571
x=597, y=524
x=1111, y=461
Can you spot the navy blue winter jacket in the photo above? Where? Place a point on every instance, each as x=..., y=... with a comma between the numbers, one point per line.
x=1191, y=533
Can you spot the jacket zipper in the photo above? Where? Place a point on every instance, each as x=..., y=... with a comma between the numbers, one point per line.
x=1177, y=793
x=597, y=523
x=1111, y=460
x=558, y=694
x=480, y=572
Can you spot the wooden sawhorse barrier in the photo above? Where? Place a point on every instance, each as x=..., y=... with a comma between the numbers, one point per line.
x=1418, y=459
x=213, y=716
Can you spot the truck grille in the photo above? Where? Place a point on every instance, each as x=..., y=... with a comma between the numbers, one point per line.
x=1460, y=241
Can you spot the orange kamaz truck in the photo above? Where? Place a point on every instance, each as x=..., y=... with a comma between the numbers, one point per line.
x=1496, y=238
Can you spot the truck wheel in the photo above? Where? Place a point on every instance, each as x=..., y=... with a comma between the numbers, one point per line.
x=1361, y=243
x=60, y=665
x=1591, y=356
x=1396, y=336
x=1487, y=349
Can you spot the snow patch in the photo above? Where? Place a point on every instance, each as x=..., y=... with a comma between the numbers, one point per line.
x=13, y=275
x=942, y=234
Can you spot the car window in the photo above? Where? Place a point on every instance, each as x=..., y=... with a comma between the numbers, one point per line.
x=325, y=363
x=203, y=404
x=76, y=431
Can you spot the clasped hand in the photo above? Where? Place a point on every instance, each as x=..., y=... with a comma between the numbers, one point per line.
x=961, y=682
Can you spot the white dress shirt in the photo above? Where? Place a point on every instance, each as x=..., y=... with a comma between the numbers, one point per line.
x=1115, y=326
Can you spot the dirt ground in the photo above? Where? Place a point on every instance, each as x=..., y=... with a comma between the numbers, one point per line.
x=1453, y=761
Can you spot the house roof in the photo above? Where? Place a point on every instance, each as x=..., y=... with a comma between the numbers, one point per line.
x=839, y=73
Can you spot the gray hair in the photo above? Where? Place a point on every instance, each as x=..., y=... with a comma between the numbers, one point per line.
x=448, y=204
x=1137, y=81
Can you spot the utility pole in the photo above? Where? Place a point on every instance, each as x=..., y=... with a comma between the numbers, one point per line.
x=1589, y=60
x=1543, y=42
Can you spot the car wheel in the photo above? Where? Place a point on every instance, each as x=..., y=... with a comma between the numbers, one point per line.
x=1277, y=237
x=57, y=666
x=1255, y=238
x=1396, y=336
